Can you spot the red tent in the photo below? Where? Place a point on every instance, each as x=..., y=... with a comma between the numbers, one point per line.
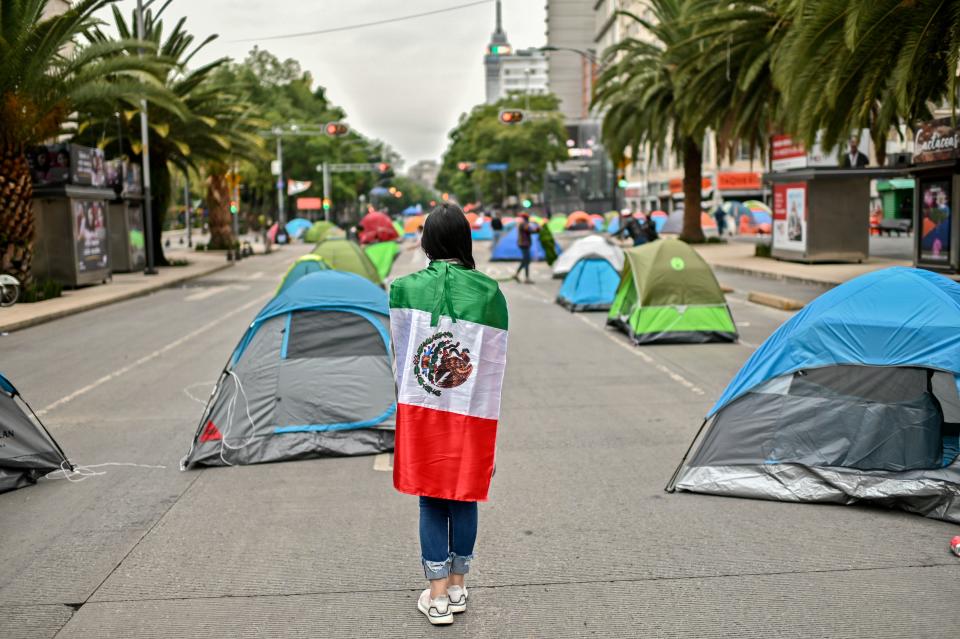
x=377, y=227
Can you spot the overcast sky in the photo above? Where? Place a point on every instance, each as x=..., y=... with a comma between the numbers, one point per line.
x=404, y=82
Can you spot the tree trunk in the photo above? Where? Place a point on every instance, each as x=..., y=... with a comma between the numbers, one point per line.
x=692, y=185
x=16, y=214
x=218, y=204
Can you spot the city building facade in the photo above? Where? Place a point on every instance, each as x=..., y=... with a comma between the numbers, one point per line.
x=425, y=172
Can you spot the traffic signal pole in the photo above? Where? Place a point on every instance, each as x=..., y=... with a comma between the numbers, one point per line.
x=326, y=190
x=281, y=191
x=150, y=268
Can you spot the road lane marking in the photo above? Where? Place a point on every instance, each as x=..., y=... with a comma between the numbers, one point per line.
x=256, y=276
x=205, y=293
x=150, y=356
x=666, y=370
x=383, y=462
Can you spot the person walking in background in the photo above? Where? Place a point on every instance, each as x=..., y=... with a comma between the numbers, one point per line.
x=525, y=231
x=496, y=224
x=449, y=328
x=631, y=227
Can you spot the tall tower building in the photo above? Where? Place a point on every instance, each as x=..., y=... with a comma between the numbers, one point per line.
x=570, y=28
x=491, y=61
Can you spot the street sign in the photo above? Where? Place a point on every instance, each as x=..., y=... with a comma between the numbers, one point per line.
x=349, y=168
x=497, y=166
x=274, y=167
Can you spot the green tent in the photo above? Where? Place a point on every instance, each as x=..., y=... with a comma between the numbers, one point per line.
x=667, y=293
x=398, y=227
x=346, y=255
x=304, y=265
x=557, y=223
x=321, y=231
x=382, y=254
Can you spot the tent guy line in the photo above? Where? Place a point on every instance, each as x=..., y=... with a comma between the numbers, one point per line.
x=150, y=356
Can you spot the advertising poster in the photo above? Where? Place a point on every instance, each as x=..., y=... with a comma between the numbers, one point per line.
x=138, y=253
x=49, y=165
x=87, y=166
x=935, y=202
x=90, y=231
x=790, y=216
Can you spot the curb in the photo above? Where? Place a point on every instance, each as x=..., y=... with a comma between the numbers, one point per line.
x=791, y=279
x=775, y=301
x=89, y=306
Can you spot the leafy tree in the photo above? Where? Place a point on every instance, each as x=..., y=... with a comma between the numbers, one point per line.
x=645, y=101
x=529, y=148
x=46, y=76
x=411, y=194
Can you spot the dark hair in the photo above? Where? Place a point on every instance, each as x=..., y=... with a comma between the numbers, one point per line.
x=446, y=235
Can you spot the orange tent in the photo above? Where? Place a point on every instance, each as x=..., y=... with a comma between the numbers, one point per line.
x=412, y=223
x=707, y=221
x=579, y=217
x=472, y=218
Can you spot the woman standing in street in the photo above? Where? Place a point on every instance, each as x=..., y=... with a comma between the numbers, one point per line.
x=449, y=326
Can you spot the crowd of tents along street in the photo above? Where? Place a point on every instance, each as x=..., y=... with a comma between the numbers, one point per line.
x=853, y=399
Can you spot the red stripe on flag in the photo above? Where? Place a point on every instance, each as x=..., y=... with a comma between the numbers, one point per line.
x=442, y=454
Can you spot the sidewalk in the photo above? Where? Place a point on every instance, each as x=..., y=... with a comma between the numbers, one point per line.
x=123, y=286
x=738, y=257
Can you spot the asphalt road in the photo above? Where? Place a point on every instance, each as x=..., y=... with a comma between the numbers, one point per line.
x=578, y=538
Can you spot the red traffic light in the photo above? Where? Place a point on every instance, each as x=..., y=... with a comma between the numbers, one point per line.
x=511, y=116
x=465, y=166
x=383, y=167
x=336, y=129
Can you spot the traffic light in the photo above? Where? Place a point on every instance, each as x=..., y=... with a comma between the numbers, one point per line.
x=466, y=166
x=234, y=207
x=527, y=203
x=336, y=129
x=326, y=204
x=621, y=180
x=511, y=116
x=383, y=167
x=500, y=49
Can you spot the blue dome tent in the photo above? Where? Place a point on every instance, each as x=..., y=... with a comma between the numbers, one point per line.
x=590, y=285
x=507, y=250
x=297, y=226
x=484, y=233
x=854, y=399
x=311, y=377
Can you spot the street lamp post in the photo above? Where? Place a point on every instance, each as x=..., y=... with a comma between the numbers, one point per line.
x=145, y=153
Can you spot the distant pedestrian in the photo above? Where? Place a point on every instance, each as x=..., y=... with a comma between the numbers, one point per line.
x=449, y=329
x=721, y=217
x=525, y=231
x=497, y=225
x=631, y=227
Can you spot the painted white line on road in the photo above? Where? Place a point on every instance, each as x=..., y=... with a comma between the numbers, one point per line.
x=151, y=356
x=204, y=294
x=666, y=370
x=383, y=462
x=256, y=276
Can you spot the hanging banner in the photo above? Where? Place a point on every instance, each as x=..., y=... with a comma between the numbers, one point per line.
x=790, y=216
x=298, y=186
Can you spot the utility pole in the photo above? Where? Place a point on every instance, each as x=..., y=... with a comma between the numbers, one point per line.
x=281, y=191
x=326, y=190
x=145, y=151
x=186, y=207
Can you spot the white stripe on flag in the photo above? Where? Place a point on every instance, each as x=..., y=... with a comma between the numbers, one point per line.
x=479, y=396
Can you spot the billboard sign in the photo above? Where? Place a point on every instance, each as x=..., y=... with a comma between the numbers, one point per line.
x=936, y=141
x=790, y=216
x=90, y=234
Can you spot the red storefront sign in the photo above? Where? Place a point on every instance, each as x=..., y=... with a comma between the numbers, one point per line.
x=676, y=184
x=739, y=181
x=309, y=204
x=786, y=153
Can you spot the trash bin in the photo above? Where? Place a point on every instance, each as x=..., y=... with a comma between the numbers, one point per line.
x=71, y=239
x=127, y=247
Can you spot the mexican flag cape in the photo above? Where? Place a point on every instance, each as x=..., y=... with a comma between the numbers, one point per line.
x=449, y=326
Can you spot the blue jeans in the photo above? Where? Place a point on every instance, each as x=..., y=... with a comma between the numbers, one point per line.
x=524, y=261
x=448, y=530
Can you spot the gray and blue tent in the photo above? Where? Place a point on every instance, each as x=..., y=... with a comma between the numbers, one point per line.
x=855, y=399
x=312, y=377
x=27, y=450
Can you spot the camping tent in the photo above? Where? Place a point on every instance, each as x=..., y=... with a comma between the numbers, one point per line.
x=345, y=255
x=591, y=285
x=304, y=265
x=484, y=233
x=557, y=224
x=321, y=231
x=311, y=377
x=507, y=250
x=667, y=293
x=590, y=246
x=578, y=220
x=382, y=254
x=398, y=227
x=853, y=399
x=412, y=224
x=377, y=227
x=412, y=210
x=297, y=227
x=27, y=450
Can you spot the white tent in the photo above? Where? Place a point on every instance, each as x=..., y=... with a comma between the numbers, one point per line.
x=590, y=246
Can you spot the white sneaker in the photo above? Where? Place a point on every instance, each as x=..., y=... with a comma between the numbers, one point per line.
x=458, y=598
x=437, y=610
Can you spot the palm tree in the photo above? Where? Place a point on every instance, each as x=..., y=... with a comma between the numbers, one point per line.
x=46, y=76
x=849, y=64
x=643, y=98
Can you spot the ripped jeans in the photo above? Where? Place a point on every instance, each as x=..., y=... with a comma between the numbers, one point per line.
x=448, y=530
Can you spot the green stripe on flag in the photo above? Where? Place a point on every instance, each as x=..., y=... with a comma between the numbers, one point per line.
x=664, y=319
x=453, y=291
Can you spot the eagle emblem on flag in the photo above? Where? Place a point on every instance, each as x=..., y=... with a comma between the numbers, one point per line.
x=440, y=363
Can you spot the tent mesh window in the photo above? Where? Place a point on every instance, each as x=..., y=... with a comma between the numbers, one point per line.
x=332, y=334
x=859, y=417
